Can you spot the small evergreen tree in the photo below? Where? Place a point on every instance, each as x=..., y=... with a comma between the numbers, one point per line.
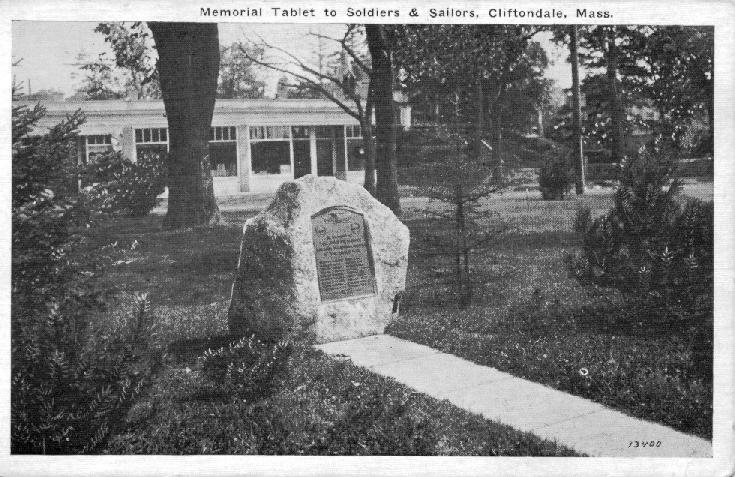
x=69, y=385
x=458, y=225
x=658, y=253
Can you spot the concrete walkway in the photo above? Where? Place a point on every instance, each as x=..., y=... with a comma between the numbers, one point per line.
x=578, y=423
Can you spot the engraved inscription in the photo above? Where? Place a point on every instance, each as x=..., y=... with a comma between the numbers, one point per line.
x=342, y=262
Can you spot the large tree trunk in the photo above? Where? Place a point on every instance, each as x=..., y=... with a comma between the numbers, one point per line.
x=617, y=113
x=188, y=65
x=386, y=190
x=576, y=110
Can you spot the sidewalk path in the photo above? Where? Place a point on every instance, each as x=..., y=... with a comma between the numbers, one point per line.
x=575, y=422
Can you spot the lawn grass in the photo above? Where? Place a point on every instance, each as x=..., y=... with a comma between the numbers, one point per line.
x=322, y=406
x=531, y=319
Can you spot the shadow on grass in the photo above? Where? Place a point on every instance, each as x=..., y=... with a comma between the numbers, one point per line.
x=237, y=218
x=183, y=267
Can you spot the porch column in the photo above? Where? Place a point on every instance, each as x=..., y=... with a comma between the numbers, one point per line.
x=244, y=167
x=312, y=150
x=127, y=145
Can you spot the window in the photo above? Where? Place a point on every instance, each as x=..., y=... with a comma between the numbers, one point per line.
x=300, y=132
x=222, y=133
x=262, y=133
x=355, y=151
x=151, y=136
x=151, y=141
x=271, y=157
x=355, y=155
x=96, y=145
x=353, y=131
x=270, y=149
x=324, y=132
x=223, y=151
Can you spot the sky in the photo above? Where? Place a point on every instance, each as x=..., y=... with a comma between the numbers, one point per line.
x=48, y=50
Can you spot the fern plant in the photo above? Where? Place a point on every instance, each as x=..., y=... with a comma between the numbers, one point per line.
x=247, y=368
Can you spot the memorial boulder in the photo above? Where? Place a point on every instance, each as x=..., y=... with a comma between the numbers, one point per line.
x=324, y=261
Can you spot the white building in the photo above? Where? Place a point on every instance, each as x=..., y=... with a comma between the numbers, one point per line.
x=255, y=145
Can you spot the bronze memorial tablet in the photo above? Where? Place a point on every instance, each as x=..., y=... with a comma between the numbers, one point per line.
x=343, y=264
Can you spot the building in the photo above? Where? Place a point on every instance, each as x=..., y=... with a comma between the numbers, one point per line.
x=255, y=145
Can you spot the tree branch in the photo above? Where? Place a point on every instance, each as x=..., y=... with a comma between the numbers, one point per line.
x=353, y=54
x=311, y=84
x=298, y=62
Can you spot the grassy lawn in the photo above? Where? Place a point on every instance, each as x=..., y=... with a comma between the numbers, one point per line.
x=321, y=406
x=531, y=319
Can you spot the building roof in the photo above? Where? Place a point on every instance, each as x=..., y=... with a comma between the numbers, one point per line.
x=221, y=105
x=104, y=117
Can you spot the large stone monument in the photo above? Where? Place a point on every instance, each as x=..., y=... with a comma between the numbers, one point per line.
x=324, y=261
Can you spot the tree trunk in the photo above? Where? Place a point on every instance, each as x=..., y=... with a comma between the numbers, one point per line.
x=462, y=263
x=497, y=132
x=617, y=114
x=540, y=122
x=369, y=144
x=576, y=111
x=188, y=65
x=480, y=120
x=386, y=189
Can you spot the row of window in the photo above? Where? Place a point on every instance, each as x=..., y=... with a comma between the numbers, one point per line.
x=229, y=133
x=99, y=139
x=272, y=156
x=151, y=136
x=223, y=133
x=279, y=133
x=160, y=135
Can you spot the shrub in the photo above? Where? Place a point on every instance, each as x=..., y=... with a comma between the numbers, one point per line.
x=66, y=401
x=125, y=187
x=582, y=219
x=555, y=177
x=650, y=247
x=247, y=368
x=43, y=162
x=68, y=384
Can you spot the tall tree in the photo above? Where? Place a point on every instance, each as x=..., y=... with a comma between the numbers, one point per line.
x=680, y=75
x=380, y=39
x=569, y=35
x=617, y=110
x=443, y=64
x=100, y=82
x=612, y=55
x=130, y=43
x=237, y=78
x=576, y=110
x=188, y=64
